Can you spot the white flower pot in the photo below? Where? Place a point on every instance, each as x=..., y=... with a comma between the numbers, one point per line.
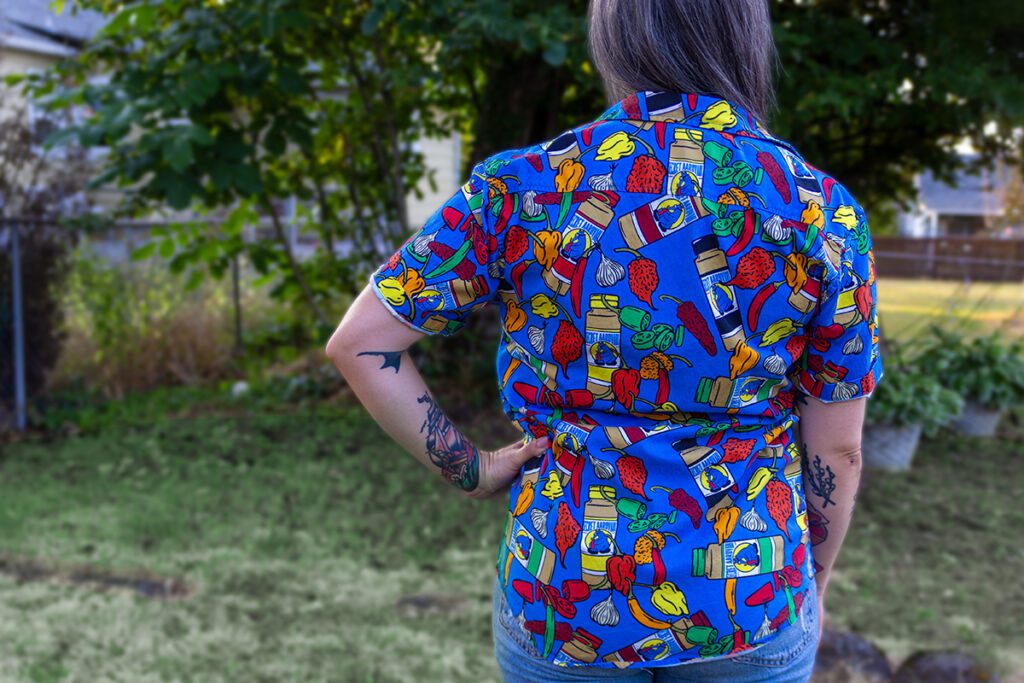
x=890, y=447
x=977, y=419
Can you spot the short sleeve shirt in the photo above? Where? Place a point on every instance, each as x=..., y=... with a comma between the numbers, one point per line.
x=670, y=276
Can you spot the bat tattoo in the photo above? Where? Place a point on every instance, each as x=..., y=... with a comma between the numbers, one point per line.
x=392, y=359
x=447, y=448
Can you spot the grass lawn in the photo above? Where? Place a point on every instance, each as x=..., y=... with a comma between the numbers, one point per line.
x=906, y=306
x=297, y=533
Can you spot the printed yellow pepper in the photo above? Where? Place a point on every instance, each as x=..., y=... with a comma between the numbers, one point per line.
x=780, y=329
x=615, y=146
x=718, y=116
x=669, y=599
x=392, y=290
x=643, y=617
x=541, y=305
x=845, y=216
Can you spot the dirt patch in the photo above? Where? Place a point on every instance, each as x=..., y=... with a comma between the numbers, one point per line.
x=141, y=582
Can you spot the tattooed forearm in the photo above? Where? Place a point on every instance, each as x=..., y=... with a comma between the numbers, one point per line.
x=448, y=449
x=822, y=481
x=827, y=481
x=391, y=359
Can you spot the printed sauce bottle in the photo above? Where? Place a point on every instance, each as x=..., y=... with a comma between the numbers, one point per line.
x=597, y=542
x=714, y=275
x=603, y=338
x=582, y=232
x=734, y=559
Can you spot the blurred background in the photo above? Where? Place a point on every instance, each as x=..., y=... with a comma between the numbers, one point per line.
x=191, y=193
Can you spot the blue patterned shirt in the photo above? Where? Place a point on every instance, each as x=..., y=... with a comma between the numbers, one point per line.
x=669, y=277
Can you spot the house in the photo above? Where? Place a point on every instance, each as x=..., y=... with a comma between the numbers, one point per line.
x=973, y=205
x=33, y=37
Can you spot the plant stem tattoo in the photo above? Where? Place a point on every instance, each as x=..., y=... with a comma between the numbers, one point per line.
x=392, y=359
x=822, y=481
x=447, y=448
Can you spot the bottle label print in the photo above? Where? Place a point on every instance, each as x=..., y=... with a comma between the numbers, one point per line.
x=723, y=392
x=561, y=148
x=452, y=294
x=808, y=187
x=580, y=650
x=793, y=474
x=714, y=276
x=705, y=464
x=682, y=204
x=660, y=218
x=530, y=552
x=685, y=633
x=597, y=542
x=665, y=106
x=846, y=307
x=686, y=157
x=603, y=340
x=584, y=230
x=740, y=558
x=806, y=298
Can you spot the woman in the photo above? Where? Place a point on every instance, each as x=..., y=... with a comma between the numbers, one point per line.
x=688, y=319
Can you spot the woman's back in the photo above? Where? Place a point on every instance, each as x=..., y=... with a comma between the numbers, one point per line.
x=669, y=276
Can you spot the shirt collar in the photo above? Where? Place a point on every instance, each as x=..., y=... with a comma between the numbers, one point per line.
x=701, y=110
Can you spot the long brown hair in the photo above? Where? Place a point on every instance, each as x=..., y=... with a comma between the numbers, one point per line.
x=718, y=47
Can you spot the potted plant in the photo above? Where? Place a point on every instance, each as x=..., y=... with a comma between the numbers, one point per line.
x=907, y=402
x=987, y=371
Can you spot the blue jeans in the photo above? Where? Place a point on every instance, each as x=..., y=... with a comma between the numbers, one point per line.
x=788, y=658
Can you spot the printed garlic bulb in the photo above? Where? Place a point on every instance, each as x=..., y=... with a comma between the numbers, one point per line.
x=602, y=468
x=854, y=346
x=609, y=272
x=530, y=207
x=421, y=245
x=751, y=521
x=774, y=228
x=604, y=612
x=765, y=629
x=496, y=268
x=774, y=364
x=602, y=183
x=536, y=335
x=539, y=519
x=844, y=391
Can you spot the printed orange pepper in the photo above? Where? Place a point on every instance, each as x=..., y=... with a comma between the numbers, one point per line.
x=545, y=247
x=570, y=175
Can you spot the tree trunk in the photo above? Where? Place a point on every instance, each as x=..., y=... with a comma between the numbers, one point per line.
x=519, y=105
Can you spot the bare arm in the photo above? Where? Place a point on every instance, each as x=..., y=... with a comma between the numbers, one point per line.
x=830, y=435
x=369, y=349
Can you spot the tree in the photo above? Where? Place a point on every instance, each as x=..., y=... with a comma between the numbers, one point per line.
x=241, y=105
x=875, y=91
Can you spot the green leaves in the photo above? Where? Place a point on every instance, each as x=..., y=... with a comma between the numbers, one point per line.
x=177, y=152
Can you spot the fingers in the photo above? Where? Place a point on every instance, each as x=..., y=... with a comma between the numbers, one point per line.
x=537, y=446
x=532, y=449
